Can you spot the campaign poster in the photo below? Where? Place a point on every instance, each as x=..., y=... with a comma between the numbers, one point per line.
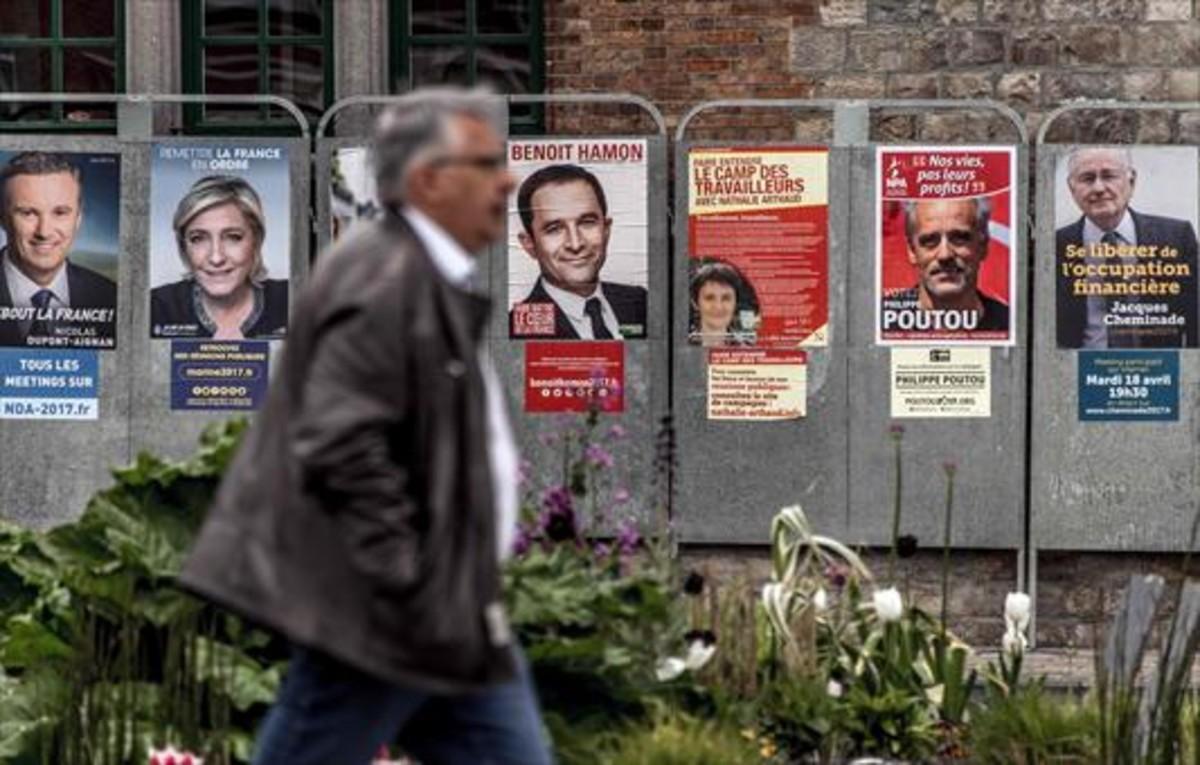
x=220, y=240
x=946, y=251
x=758, y=235
x=578, y=239
x=60, y=235
x=216, y=375
x=1131, y=386
x=1125, y=247
x=757, y=384
x=941, y=382
x=352, y=195
x=49, y=384
x=580, y=376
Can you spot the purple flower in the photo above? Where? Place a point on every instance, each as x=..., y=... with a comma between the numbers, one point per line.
x=620, y=496
x=557, y=498
x=896, y=430
x=616, y=432
x=598, y=456
x=835, y=575
x=522, y=541
x=949, y=466
x=628, y=537
x=547, y=439
x=601, y=550
x=558, y=515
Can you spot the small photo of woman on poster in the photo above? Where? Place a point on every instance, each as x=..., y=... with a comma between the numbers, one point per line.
x=724, y=308
x=224, y=293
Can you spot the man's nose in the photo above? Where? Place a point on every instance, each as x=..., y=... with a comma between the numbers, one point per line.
x=43, y=228
x=574, y=237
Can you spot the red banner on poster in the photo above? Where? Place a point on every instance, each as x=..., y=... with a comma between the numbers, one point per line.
x=758, y=230
x=574, y=376
x=946, y=255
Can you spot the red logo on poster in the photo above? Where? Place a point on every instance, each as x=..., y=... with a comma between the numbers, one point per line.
x=533, y=320
x=575, y=377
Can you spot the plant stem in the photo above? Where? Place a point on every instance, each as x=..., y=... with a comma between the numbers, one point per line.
x=946, y=547
x=896, y=437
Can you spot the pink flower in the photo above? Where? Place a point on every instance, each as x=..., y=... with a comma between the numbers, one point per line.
x=169, y=756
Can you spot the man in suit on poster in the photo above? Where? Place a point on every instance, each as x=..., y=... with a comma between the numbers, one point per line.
x=51, y=301
x=564, y=214
x=1102, y=182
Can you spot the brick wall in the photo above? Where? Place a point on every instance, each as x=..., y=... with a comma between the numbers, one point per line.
x=1031, y=54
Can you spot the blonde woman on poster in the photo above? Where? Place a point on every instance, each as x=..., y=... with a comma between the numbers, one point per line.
x=225, y=293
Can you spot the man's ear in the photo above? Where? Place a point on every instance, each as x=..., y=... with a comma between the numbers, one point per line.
x=912, y=257
x=1132, y=178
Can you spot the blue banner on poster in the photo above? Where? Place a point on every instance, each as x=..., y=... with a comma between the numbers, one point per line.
x=218, y=375
x=43, y=384
x=1129, y=385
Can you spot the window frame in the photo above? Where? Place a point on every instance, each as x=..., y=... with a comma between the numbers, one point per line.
x=56, y=43
x=195, y=43
x=401, y=42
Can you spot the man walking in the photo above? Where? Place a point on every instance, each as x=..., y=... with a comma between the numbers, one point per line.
x=366, y=514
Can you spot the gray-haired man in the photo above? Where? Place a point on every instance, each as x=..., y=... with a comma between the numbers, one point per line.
x=367, y=513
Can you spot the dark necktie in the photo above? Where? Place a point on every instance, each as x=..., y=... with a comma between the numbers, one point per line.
x=592, y=309
x=41, y=327
x=1123, y=339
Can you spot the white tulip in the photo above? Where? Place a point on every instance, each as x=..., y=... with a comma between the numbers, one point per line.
x=669, y=668
x=820, y=600
x=833, y=689
x=1016, y=611
x=698, y=654
x=888, y=605
x=1014, y=643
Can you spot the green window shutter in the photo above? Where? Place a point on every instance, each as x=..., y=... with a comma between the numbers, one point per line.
x=470, y=42
x=247, y=47
x=42, y=50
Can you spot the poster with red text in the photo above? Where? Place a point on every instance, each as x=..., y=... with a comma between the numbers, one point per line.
x=758, y=234
x=757, y=384
x=946, y=255
x=574, y=376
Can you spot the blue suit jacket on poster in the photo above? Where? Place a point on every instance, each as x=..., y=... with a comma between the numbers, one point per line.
x=1151, y=230
x=88, y=290
x=628, y=303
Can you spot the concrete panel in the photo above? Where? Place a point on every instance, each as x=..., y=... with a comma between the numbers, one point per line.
x=734, y=476
x=153, y=426
x=646, y=367
x=989, y=453
x=51, y=468
x=1101, y=485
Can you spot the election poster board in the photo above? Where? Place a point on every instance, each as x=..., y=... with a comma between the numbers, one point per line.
x=220, y=240
x=578, y=376
x=352, y=194
x=1125, y=247
x=1129, y=386
x=578, y=239
x=946, y=252
x=60, y=235
x=215, y=375
x=49, y=384
x=941, y=382
x=757, y=384
x=758, y=236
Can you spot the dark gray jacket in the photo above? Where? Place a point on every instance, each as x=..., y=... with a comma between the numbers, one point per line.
x=357, y=518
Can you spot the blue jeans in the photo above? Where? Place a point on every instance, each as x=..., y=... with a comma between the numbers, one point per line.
x=330, y=714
